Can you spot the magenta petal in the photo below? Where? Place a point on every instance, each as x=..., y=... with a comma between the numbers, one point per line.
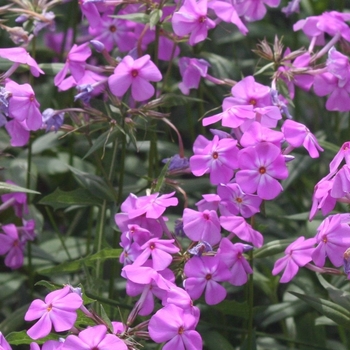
x=40, y=329
x=215, y=293
x=141, y=89
x=36, y=309
x=62, y=320
x=119, y=82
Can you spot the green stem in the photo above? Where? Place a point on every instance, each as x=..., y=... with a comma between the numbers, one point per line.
x=250, y=305
x=53, y=223
x=100, y=233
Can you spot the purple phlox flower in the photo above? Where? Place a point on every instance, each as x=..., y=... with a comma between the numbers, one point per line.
x=58, y=310
x=267, y=116
x=239, y=227
x=160, y=250
x=3, y=343
x=53, y=344
x=91, y=12
x=136, y=74
x=227, y=12
x=93, y=338
x=131, y=250
x=97, y=45
x=322, y=198
x=343, y=154
x=221, y=134
x=4, y=104
x=297, y=254
x=89, y=79
x=191, y=70
x=114, y=32
x=23, y=105
x=179, y=228
x=219, y=158
x=248, y=92
x=54, y=41
x=75, y=63
x=254, y=10
x=232, y=255
x=257, y=133
x=346, y=261
x=277, y=101
x=173, y=325
x=16, y=199
x=33, y=346
x=192, y=19
x=332, y=239
x=123, y=220
x=200, y=248
x=234, y=201
x=288, y=70
x=180, y=298
x=166, y=47
x=341, y=184
x=331, y=23
x=209, y=202
x=297, y=134
x=202, y=226
x=232, y=116
x=177, y=162
x=118, y=327
x=150, y=290
x=49, y=23
x=20, y=55
x=52, y=119
x=261, y=166
x=12, y=245
x=146, y=275
x=138, y=234
x=200, y=143
x=338, y=65
x=27, y=231
x=329, y=84
x=204, y=274
x=84, y=92
x=18, y=132
x=292, y=6
x=153, y=206
x=22, y=18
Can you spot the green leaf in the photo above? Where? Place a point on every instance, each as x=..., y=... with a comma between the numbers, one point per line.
x=51, y=68
x=76, y=265
x=93, y=183
x=10, y=283
x=17, y=338
x=273, y=248
x=339, y=296
x=335, y=312
x=329, y=146
x=134, y=17
x=49, y=285
x=103, y=140
x=154, y=18
x=215, y=341
x=161, y=178
x=281, y=311
x=9, y=188
x=234, y=308
x=61, y=199
x=263, y=69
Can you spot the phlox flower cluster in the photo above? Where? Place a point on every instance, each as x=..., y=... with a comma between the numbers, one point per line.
x=13, y=238
x=332, y=239
x=59, y=311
